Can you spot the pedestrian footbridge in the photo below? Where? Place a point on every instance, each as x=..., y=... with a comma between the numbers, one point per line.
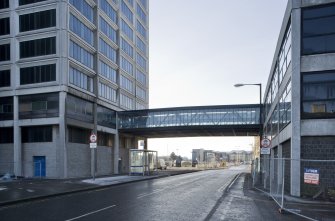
x=225, y=120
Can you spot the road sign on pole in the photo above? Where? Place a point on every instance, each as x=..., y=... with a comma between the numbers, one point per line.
x=93, y=138
x=265, y=142
x=93, y=145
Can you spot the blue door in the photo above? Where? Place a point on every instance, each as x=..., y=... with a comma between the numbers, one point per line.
x=39, y=166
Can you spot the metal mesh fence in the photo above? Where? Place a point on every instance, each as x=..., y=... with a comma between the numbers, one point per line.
x=316, y=180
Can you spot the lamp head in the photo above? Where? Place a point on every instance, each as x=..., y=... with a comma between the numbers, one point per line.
x=238, y=85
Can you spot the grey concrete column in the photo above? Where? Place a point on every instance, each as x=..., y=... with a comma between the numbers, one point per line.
x=94, y=150
x=62, y=136
x=116, y=153
x=17, y=140
x=296, y=119
x=145, y=143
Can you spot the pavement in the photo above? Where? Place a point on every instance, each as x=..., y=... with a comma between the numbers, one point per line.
x=240, y=190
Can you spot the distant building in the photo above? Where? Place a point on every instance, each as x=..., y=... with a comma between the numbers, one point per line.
x=204, y=156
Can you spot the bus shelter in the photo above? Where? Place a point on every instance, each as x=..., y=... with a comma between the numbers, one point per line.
x=142, y=162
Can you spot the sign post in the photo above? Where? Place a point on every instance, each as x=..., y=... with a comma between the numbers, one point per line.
x=93, y=146
x=311, y=176
x=265, y=143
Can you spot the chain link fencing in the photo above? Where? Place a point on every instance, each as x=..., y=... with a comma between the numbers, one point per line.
x=273, y=176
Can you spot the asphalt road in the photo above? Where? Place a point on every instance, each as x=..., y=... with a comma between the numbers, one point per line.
x=193, y=196
x=183, y=197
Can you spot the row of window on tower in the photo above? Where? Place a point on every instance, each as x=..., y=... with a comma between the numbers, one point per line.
x=37, y=134
x=46, y=19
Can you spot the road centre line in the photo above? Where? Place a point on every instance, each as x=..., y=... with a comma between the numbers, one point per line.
x=90, y=213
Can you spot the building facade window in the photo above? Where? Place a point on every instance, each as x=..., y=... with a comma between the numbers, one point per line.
x=285, y=107
x=141, y=93
x=109, y=10
x=107, y=92
x=127, y=48
x=131, y=2
x=81, y=30
x=141, y=77
x=141, y=61
x=37, y=20
x=126, y=66
x=107, y=71
x=80, y=79
x=106, y=117
x=126, y=84
x=126, y=101
x=140, y=106
x=5, y=78
x=144, y=3
x=285, y=55
x=107, y=29
x=318, y=30
x=79, y=109
x=4, y=26
x=38, y=47
x=4, y=4
x=38, y=74
x=281, y=67
x=126, y=29
x=318, y=94
x=141, y=14
x=126, y=11
x=78, y=135
x=80, y=54
x=38, y=106
x=36, y=134
x=141, y=45
x=84, y=8
x=6, y=135
x=26, y=2
x=107, y=50
x=5, y=52
x=105, y=139
x=6, y=108
x=141, y=29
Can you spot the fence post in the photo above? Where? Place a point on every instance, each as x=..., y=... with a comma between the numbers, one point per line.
x=283, y=183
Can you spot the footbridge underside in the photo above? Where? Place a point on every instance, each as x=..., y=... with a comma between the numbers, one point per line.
x=225, y=120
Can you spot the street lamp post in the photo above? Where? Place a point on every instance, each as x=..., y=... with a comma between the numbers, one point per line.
x=260, y=110
x=260, y=104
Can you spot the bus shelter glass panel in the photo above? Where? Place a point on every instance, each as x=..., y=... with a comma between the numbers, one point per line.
x=142, y=162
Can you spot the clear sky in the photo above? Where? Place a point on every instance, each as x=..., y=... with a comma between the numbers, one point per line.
x=200, y=49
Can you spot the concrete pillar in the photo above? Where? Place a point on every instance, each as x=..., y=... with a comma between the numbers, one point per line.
x=145, y=144
x=116, y=153
x=17, y=139
x=296, y=118
x=62, y=136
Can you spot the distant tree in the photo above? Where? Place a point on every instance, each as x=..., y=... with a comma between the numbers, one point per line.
x=173, y=157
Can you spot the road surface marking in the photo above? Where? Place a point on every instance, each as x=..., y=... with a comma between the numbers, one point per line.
x=90, y=213
x=224, y=186
x=3, y=188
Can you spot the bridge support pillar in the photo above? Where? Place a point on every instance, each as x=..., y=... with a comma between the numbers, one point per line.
x=116, y=153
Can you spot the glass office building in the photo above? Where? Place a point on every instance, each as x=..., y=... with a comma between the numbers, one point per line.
x=299, y=103
x=66, y=68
